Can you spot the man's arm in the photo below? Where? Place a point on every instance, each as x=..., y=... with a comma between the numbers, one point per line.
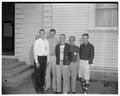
x=35, y=51
x=80, y=51
x=78, y=58
x=69, y=53
x=56, y=50
x=48, y=51
x=91, y=55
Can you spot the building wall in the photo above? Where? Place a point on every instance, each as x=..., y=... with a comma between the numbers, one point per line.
x=71, y=19
x=28, y=21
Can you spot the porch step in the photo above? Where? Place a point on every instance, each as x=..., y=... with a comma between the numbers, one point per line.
x=15, y=71
x=12, y=65
x=9, y=60
x=17, y=79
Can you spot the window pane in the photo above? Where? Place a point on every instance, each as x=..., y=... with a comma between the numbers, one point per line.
x=106, y=15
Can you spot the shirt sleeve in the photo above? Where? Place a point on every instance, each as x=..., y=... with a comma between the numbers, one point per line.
x=91, y=55
x=35, y=51
x=48, y=51
x=80, y=51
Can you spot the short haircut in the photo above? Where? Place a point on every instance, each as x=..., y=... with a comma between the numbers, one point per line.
x=85, y=34
x=72, y=37
x=41, y=30
x=53, y=30
x=63, y=35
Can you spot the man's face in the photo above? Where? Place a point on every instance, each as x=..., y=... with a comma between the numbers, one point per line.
x=81, y=40
x=52, y=34
x=62, y=39
x=72, y=41
x=42, y=34
x=85, y=39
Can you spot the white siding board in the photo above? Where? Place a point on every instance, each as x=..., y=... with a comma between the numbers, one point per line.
x=28, y=21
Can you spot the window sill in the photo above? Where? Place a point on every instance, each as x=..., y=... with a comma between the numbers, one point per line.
x=104, y=28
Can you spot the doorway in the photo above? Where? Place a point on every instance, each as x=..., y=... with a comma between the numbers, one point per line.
x=8, y=28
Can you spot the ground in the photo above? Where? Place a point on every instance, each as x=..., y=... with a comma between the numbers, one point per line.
x=96, y=87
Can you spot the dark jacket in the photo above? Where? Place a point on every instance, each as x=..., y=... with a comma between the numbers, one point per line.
x=74, y=50
x=87, y=52
x=66, y=57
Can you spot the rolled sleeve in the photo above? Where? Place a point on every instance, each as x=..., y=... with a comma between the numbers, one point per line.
x=35, y=52
x=48, y=52
x=91, y=55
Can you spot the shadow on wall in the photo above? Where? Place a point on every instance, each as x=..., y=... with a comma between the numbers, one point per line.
x=31, y=55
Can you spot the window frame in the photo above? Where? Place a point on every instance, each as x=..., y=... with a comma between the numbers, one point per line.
x=92, y=22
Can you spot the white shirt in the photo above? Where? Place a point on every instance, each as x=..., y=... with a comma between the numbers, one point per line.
x=41, y=48
x=61, y=51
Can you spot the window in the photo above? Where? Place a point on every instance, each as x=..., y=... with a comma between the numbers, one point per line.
x=106, y=15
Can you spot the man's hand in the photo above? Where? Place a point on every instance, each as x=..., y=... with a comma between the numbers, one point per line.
x=37, y=65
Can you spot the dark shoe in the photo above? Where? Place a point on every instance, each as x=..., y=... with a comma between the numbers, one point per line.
x=42, y=92
x=73, y=92
x=58, y=92
x=69, y=92
x=86, y=86
x=83, y=84
x=79, y=79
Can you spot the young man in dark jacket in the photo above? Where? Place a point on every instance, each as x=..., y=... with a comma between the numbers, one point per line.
x=86, y=59
x=62, y=65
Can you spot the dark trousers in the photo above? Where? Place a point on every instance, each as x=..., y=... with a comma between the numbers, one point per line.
x=40, y=73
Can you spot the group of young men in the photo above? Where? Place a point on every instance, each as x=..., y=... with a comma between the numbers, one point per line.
x=58, y=64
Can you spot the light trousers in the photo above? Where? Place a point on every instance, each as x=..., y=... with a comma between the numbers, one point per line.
x=84, y=69
x=62, y=72
x=73, y=76
x=51, y=68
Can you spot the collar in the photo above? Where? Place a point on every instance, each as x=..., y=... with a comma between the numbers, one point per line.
x=86, y=44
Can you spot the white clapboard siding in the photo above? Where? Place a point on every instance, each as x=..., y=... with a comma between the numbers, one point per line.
x=28, y=21
x=71, y=19
x=47, y=17
x=106, y=48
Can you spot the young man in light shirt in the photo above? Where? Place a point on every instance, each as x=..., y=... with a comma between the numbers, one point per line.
x=52, y=64
x=62, y=65
x=41, y=57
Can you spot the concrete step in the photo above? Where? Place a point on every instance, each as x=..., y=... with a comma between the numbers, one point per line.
x=17, y=79
x=15, y=71
x=9, y=60
x=13, y=65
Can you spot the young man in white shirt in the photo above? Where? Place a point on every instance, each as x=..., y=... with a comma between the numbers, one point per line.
x=41, y=57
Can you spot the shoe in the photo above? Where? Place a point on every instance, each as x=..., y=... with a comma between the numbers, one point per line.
x=65, y=92
x=69, y=92
x=83, y=84
x=86, y=86
x=42, y=92
x=54, y=92
x=73, y=92
x=84, y=91
x=79, y=79
x=58, y=92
